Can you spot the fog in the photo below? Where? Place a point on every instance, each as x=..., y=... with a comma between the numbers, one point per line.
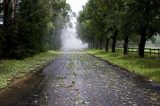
x=69, y=38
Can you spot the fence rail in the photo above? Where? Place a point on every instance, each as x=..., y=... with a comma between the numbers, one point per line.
x=150, y=51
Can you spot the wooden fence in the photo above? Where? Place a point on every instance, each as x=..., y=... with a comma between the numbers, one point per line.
x=150, y=51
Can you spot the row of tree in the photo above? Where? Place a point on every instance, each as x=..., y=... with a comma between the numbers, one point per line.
x=31, y=26
x=119, y=20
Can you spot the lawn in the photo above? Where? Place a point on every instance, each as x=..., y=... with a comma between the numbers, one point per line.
x=13, y=69
x=147, y=67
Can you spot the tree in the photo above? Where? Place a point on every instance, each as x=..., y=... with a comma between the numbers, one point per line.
x=29, y=23
x=120, y=19
x=91, y=20
x=145, y=16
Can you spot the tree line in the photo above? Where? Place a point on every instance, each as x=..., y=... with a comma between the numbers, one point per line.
x=31, y=26
x=119, y=20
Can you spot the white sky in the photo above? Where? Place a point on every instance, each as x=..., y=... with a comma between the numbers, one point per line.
x=76, y=5
x=69, y=35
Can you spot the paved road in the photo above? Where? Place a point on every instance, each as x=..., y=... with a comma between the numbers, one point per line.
x=78, y=79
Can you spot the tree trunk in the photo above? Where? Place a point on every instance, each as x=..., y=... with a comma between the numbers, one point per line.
x=107, y=45
x=93, y=45
x=142, y=45
x=96, y=45
x=125, y=46
x=100, y=45
x=89, y=45
x=14, y=9
x=6, y=17
x=114, y=41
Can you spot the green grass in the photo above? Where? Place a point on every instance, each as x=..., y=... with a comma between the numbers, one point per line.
x=147, y=67
x=12, y=69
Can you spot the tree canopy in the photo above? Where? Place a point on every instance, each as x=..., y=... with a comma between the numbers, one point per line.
x=31, y=26
x=116, y=20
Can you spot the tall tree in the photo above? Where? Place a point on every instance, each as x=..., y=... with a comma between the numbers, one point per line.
x=145, y=14
x=28, y=23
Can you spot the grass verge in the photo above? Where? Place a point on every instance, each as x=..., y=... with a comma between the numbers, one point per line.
x=13, y=69
x=146, y=67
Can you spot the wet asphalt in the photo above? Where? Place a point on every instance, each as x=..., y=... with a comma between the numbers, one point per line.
x=79, y=79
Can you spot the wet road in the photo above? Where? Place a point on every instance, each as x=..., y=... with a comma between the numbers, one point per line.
x=78, y=79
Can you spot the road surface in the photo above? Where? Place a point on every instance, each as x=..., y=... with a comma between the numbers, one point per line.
x=79, y=79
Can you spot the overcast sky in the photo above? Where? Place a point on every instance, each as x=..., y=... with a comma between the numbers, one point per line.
x=69, y=34
x=76, y=5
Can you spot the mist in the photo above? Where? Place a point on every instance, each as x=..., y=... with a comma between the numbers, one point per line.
x=69, y=38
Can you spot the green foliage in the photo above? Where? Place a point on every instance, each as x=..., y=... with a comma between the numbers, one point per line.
x=31, y=27
x=91, y=22
x=128, y=20
x=99, y=21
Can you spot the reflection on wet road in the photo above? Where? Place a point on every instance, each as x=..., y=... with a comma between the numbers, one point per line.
x=78, y=79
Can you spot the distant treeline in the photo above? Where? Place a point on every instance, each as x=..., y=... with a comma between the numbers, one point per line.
x=119, y=20
x=31, y=26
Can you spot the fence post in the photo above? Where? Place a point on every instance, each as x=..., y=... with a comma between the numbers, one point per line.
x=150, y=52
x=154, y=52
